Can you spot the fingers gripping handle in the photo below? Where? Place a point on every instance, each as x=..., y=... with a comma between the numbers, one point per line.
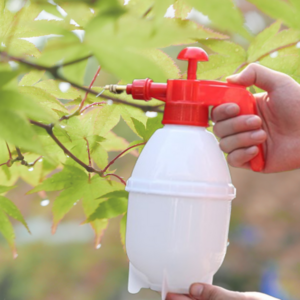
x=215, y=93
x=247, y=104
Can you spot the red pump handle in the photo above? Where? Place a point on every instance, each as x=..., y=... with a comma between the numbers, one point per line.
x=216, y=93
x=187, y=101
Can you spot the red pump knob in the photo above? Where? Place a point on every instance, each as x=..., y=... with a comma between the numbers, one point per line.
x=192, y=55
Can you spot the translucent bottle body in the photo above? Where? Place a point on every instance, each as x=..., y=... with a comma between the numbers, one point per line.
x=179, y=210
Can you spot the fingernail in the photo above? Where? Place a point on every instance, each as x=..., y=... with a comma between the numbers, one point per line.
x=197, y=290
x=252, y=121
x=258, y=135
x=231, y=109
x=252, y=150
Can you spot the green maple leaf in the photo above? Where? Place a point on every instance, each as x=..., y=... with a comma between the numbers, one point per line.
x=75, y=185
x=8, y=208
x=147, y=131
x=115, y=205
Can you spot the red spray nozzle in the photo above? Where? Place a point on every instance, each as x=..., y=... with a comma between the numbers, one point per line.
x=188, y=100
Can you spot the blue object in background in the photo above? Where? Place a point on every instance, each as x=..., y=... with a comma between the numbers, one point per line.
x=270, y=283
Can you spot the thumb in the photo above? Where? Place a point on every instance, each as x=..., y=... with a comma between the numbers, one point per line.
x=201, y=291
x=259, y=76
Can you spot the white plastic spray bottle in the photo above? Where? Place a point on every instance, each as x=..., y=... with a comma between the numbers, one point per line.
x=180, y=191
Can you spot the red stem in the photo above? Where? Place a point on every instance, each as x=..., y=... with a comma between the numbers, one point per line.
x=91, y=105
x=111, y=162
x=115, y=175
x=9, y=153
x=33, y=163
x=88, y=151
x=90, y=86
x=89, y=155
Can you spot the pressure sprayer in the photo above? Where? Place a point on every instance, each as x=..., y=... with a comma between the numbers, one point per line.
x=180, y=190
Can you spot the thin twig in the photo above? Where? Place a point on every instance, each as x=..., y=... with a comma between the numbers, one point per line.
x=119, y=155
x=9, y=162
x=9, y=153
x=20, y=155
x=53, y=71
x=89, y=155
x=117, y=176
x=78, y=110
x=34, y=162
x=266, y=54
x=91, y=105
x=90, y=87
x=147, y=12
x=20, y=158
x=73, y=61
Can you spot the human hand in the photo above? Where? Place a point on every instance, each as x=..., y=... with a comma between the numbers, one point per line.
x=209, y=292
x=277, y=126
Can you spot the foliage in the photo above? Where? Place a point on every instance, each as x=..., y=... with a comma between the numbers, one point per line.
x=52, y=125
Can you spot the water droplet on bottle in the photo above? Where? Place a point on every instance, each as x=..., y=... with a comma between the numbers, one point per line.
x=298, y=45
x=45, y=202
x=30, y=169
x=63, y=126
x=40, y=160
x=110, y=102
x=98, y=246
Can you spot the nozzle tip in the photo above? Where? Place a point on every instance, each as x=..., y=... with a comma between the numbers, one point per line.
x=115, y=88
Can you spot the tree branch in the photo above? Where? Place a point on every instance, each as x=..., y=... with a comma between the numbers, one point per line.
x=49, y=129
x=90, y=169
x=119, y=155
x=53, y=71
x=73, y=61
x=21, y=157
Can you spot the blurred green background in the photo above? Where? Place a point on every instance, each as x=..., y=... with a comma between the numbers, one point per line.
x=263, y=255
